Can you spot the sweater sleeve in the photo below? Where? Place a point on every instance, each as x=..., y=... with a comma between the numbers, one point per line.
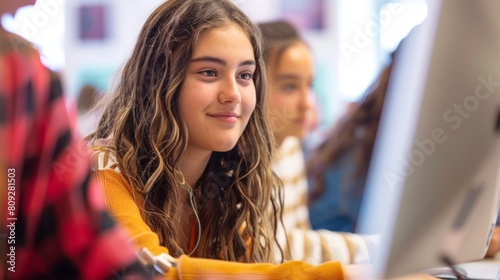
x=216, y=269
x=121, y=205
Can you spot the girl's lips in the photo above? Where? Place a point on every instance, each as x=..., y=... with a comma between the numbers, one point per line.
x=229, y=117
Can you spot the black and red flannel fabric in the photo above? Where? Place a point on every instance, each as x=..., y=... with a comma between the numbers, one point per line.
x=58, y=228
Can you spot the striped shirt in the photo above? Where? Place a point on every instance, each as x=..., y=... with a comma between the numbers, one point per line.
x=312, y=246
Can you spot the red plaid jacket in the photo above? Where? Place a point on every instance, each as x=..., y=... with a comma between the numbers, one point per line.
x=54, y=223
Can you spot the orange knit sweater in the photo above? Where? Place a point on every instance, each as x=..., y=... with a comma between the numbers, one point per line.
x=118, y=197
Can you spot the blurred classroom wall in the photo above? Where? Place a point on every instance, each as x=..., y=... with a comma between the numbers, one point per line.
x=89, y=40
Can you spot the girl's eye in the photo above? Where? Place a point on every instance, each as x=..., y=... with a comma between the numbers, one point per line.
x=246, y=76
x=289, y=87
x=209, y=73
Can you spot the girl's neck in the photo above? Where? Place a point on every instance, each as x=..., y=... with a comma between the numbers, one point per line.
x=193, y=164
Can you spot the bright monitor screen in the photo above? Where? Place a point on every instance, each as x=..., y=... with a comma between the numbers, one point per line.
x=433, y=184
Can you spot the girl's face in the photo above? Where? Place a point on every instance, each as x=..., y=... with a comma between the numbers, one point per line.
x=218, y=95
x=290, y=100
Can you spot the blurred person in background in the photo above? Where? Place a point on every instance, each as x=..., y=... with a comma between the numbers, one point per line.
x=54, y=222
x=338, y=167
x=292, y=113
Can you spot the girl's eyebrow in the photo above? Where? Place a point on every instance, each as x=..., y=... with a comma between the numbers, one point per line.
x=287, y=77
x=220, y=61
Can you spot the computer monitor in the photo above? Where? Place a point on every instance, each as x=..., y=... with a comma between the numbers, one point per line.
x=433, y=183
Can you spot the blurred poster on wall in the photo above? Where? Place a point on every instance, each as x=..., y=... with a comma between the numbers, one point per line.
x=305, y=14
x=93, y=22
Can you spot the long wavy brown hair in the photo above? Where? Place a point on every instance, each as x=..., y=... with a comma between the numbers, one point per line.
x=141, y=119
x=355, y=133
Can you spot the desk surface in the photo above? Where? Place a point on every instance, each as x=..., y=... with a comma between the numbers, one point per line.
x=486, y=269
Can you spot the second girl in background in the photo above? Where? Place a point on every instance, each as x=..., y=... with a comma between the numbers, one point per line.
x=292, y=113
